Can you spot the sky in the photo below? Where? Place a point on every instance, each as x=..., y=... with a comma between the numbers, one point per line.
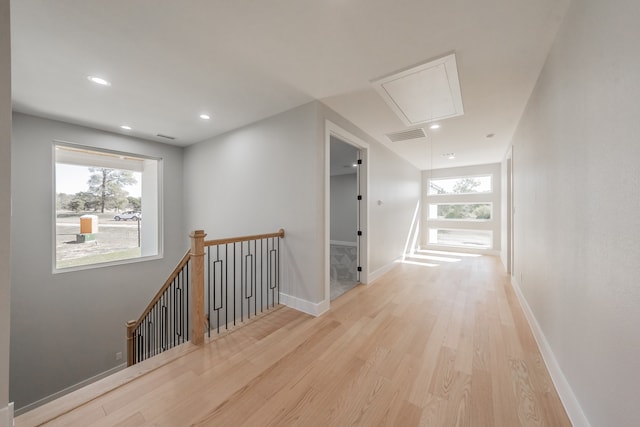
x=72, y=179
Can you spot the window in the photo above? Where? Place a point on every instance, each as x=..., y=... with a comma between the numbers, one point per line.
x=107, y=207
x=481, y=239
x=460, y=211
x=461, y=185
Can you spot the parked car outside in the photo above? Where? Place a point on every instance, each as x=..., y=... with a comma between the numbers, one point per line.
x=128, y=215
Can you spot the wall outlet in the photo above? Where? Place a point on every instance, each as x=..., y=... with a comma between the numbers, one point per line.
x=119, y=355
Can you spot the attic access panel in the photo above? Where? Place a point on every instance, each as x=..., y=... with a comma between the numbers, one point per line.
x=425, y=93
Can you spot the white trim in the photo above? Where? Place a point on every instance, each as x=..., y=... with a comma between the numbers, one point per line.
x=375, y=275
x=567, y=396
x=69, y=389
x=462, y=249
x=463, y=220
x=342, y=243
x=6, y=416
x=478, y=175
x=314, y=309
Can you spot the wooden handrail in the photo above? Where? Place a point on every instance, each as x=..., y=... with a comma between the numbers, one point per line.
x=164, y=287
x=280, y=233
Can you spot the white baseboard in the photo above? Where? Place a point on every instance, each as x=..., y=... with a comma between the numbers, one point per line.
x=6, y=416
x=68, y=390
x=375, y=275
x=343, y=243
x=314, y=309
x=568, y=398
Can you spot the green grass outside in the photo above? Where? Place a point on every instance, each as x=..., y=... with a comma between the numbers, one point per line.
x=99, y=258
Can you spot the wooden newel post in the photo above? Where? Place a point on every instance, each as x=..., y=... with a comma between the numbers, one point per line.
x=197, y=286
x=131, y=342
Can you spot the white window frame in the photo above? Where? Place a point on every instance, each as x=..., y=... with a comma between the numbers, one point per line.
x=151, y=227
x=483, y=175
x=435, y=207
x=431, y=230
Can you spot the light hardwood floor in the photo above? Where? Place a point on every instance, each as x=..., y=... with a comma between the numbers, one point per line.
x=439, y=345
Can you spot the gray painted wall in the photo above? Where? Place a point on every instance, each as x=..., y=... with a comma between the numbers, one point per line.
x=577, y=199
x=344, y=212
x=5, y=205
x=67, y=327
x=259, y=179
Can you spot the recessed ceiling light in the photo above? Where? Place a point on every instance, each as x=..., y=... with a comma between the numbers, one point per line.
x=205, y=116
x=99, y=80
x=125, y=127
x=434, y=126
x=449, y=156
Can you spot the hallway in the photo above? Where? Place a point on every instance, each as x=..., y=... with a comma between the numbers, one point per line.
x=438, y=341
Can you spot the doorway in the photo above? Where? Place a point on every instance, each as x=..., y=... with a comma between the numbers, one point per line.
x=362, y=241
x=345, y=199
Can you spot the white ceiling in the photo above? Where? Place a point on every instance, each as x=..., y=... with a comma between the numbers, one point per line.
x=241, y=61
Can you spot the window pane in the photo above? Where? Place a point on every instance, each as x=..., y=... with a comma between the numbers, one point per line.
x=480, y=239
x=99, y=205
x=460, y=211
x=461, y=185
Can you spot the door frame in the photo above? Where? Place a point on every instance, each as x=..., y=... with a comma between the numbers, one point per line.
x=332, y=129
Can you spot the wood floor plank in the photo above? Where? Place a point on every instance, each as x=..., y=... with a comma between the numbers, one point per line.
x=439, y=345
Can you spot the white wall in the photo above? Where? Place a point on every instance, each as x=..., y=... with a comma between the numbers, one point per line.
x=577, y=199
x=494, y=197
x=5, y=208
x=67, y=327
x=344, y=212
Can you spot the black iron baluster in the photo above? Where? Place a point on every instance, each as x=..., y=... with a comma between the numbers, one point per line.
x=268, y=273
x=185, y=305
x=253, y=274
x=226, y=286
x=215, y=280
x=209, y=291
x=261, y=275
x=278, y=270
x=241, y=282
x=234, y=284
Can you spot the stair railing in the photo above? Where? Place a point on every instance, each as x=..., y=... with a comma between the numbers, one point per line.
x=242, y=278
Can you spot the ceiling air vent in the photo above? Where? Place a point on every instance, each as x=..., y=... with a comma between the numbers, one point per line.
x=166, y=136
x=407, y=134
